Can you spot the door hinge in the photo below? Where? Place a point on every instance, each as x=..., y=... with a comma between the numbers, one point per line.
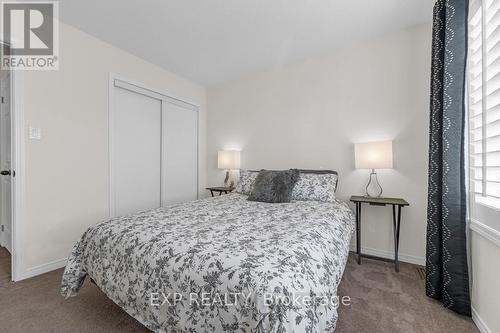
x=3, y=228
x=2, y=99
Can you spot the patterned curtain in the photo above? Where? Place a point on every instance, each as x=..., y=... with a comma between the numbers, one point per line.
x=447, y=277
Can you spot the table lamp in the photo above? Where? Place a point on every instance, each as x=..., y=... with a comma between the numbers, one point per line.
x=373, y=155
x=228, y=160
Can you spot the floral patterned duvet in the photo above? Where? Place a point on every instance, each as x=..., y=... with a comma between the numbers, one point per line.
x=220, y=264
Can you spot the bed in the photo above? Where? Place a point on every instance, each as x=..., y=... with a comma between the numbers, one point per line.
x=220, y=264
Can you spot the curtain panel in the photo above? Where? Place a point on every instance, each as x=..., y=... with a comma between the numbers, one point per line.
x=447, y=277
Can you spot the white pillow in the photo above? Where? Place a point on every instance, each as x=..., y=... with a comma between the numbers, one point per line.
x=246, y=182
x=315, y=187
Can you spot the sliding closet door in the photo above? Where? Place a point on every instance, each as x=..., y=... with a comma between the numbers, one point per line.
x=180, y=153
x=136, y=152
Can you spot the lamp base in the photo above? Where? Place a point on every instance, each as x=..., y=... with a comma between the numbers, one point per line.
x=373, y=188
x=227, y=183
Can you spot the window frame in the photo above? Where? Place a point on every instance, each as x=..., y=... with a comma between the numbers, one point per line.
x=480, y=212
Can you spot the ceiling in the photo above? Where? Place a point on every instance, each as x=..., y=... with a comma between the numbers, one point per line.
x=212, y=41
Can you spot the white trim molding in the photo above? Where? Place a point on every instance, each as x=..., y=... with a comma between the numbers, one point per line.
x=410, y=259
x=485, y=231
x=18, y=165
x=390, y=255
x=481, y=325
x=44, y=268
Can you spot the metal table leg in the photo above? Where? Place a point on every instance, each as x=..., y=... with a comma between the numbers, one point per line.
x=358, y=231
x=396, y=220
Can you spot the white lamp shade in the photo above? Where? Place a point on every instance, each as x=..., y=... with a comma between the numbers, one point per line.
x=228, y=159
x=373, y=155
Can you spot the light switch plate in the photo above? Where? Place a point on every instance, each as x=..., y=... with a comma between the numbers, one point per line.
x=35, y=133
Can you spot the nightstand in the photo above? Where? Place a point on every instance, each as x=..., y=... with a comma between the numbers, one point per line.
x=220, y=190
x=398, y=203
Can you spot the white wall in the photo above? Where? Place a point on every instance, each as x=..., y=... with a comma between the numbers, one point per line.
x=485, y=281
x=67, y=174
x=309, y=114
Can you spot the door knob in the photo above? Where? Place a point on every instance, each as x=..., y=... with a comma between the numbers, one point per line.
x=5, y=172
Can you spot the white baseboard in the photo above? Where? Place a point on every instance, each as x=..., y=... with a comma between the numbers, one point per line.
x=481, y=325
x=390, y=255
x=41, y=269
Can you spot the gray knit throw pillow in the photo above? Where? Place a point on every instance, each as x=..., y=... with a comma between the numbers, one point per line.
x=274, y=186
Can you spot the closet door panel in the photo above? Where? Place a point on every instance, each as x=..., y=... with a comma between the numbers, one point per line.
x=136, y=148
x=180, y=158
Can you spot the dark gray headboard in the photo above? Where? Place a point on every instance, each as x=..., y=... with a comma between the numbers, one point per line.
x=317, y=172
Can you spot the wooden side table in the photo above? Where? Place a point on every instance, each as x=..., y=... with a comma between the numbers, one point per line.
x=396, y=221
x=220, y=190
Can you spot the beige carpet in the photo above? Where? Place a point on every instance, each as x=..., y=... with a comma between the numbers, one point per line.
x=381, y=301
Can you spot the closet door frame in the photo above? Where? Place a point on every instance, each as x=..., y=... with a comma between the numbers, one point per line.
x=118, y=81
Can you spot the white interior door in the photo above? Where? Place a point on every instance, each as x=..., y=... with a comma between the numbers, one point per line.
x=180, y=153
x=5, y=162
x=136, y=150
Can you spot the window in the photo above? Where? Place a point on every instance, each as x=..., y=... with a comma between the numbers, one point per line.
x=484, y=106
